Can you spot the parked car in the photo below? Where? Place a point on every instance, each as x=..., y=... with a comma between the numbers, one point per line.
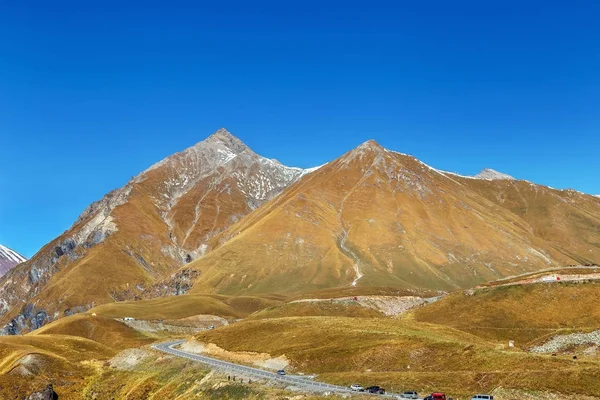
x=436, y=396
x=375, y=389
x=281, y=372
x=482, y=397
x=409, y=395
x=357, y=388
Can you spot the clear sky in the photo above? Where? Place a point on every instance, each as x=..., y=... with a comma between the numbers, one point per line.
x=93, y=92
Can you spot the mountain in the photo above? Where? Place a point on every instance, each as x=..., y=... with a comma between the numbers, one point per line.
x=218, y=218
x=9, y=259
x=141, y=233
x=375, y=217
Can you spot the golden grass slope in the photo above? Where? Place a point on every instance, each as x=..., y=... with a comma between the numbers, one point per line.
x=179, y=307
x=29, y=363
x=106, y=331
x=526, y=314
x=400, y=224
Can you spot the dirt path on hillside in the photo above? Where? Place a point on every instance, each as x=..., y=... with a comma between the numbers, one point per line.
x=391, y=306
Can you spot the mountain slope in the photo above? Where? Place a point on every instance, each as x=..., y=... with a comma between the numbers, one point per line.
x=141, y=233
x=379, y=218
x=9, y=259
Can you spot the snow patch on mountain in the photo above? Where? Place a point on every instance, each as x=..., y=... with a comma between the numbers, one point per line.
x=491, y=175
x=9, y=259
x=311, y=170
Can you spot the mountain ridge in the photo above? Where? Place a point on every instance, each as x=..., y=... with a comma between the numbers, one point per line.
x=217, y=217
x=409, y=181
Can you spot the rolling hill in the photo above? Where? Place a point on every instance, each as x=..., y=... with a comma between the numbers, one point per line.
x=526, y=314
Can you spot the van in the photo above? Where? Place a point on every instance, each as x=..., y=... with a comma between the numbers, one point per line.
x=482, y=397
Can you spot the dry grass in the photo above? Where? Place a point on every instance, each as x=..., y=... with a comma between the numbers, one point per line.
x=321, y=308
x=526, y=313
x=29, y=363
x=106, y=331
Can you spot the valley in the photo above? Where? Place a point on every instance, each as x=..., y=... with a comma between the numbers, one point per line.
x=338, y=341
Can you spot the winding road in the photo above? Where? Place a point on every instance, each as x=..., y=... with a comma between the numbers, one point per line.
x=303, y=383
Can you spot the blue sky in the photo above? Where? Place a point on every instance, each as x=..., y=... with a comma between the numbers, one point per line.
x=92, y=93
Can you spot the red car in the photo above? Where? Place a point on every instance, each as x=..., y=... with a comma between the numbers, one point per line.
x=436, y=396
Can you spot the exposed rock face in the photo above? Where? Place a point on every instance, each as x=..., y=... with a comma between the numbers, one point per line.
x=562, y=342
x=491, y=175
x=9, y=259
x=46, y=394
x=142, y=233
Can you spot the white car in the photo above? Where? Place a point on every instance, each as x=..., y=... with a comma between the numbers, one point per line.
x=482, y=397
x=409, y=395
x=357, y=388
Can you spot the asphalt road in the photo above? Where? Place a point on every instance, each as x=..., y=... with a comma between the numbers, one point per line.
x=306, y=384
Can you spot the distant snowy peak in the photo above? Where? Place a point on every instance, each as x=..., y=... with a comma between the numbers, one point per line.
x=8, y=259
x=493, y=175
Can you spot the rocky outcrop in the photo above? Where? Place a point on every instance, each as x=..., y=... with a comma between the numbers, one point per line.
x=46, y=394
x=562, y=342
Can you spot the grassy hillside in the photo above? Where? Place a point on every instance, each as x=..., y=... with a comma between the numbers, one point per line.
x=403, y=354
x=106, y=331
x=309, y=309
x=177, y=307
x=28, y=363
x=524, y=313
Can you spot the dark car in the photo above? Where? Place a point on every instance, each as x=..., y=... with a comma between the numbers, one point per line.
x=281, y=372
x=375, y=389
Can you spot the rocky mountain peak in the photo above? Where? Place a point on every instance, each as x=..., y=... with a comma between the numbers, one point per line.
x=370, y=145
x=8, y=259
x=492, y=175
x=224, y=137
x=368, y=150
